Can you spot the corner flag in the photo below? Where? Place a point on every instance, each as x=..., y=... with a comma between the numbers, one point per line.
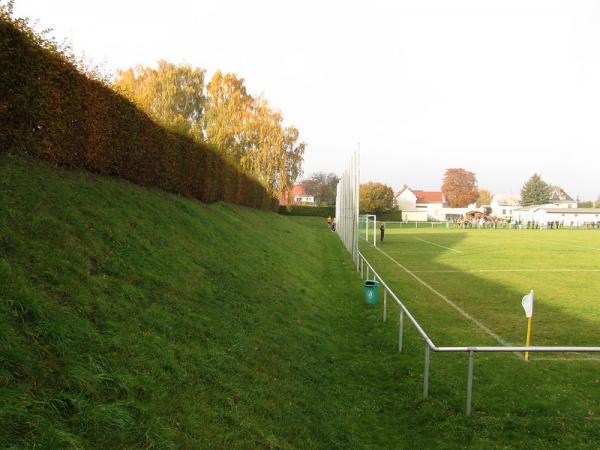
x=527, y=303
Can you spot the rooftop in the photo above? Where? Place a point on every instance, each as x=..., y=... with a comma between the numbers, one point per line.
x=429, y=197
x=508, y=199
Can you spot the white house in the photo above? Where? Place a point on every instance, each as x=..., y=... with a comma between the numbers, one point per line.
x=561, y=199
x=308, y=200
x=504, y=205
x=550, y=213
x=420, y=206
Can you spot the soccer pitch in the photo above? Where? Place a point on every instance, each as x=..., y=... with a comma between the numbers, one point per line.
x=465, y=286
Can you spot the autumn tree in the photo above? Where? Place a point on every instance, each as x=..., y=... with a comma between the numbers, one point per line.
x=535, y=191
x=323, y=186
x=484, y=197
x=376, y=198
x=250, y=133
x=171, y=94
x=459, y=187
x=244, y=129
x=229, y=109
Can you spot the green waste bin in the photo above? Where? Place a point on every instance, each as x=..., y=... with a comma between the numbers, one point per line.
x=371, y=292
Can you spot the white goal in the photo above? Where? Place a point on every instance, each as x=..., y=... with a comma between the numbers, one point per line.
x=368, y=228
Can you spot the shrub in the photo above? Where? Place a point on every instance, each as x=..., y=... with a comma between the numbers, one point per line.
x=395, y=215
x=52, y=111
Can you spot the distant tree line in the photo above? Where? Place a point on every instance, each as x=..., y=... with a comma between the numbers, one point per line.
x=376, y=198
x=322, y=186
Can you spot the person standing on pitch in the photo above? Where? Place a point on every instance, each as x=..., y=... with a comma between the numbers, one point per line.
x=382, y=230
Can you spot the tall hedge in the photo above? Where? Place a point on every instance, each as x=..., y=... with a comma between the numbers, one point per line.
x=52, y=111
x=302, y=210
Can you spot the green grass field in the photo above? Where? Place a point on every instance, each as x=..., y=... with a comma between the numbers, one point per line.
x=487, y=272
x=132, y=318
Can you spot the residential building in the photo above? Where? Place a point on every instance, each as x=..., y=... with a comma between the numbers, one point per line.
x=561, y=199
x=508, y=205
x=504, y=205
x=423, y=206
x=419, y=206
x=550, y=213
x=297, y=196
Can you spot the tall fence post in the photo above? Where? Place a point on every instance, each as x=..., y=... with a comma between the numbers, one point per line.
x=384, y=304
x=400, y=330
x=470, y=382
x=426, y=372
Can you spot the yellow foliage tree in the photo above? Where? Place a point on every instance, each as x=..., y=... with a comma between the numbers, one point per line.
x=173, y=95
x=244, y=129
x=252, y=134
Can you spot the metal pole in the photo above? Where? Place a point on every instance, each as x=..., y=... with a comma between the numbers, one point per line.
x=426, y=372
x=362, y=268
x=400, y=330
x=384, y=304
x=367, y=273
x=470, y=382
x=374, y=231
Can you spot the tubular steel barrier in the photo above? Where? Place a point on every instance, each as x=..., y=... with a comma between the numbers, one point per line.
x=429, y=345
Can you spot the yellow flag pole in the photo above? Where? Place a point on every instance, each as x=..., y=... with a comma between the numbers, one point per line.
x=528, y=342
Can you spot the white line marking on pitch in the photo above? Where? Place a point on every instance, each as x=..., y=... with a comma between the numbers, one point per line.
x=438, y=245
x=451, y=303
x=505, y=270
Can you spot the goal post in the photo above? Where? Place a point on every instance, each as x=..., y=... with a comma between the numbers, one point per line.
x=368, y=228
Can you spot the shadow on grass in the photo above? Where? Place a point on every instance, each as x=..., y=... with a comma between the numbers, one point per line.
x=503, y=383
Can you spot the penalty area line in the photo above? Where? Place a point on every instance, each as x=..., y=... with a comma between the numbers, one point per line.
x=465, y=314
x=438, y=245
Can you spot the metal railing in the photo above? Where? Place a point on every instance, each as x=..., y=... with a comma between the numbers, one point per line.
x=429, y=345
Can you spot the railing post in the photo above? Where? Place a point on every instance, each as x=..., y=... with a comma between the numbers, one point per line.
x=362, y=268
x=384, y=304
x=470, y=382
x=367, y=273
x=426, y=372
x=400, y=330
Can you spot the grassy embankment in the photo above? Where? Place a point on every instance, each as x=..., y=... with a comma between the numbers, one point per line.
x=134, y=318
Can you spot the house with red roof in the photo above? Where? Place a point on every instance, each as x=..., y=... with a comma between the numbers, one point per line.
x=297, y=196
x=423, y=206
x=420, y=206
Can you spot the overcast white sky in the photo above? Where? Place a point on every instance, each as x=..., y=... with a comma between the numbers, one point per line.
x=502, y=88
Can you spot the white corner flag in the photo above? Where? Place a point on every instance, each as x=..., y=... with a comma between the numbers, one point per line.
x=527, y=303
